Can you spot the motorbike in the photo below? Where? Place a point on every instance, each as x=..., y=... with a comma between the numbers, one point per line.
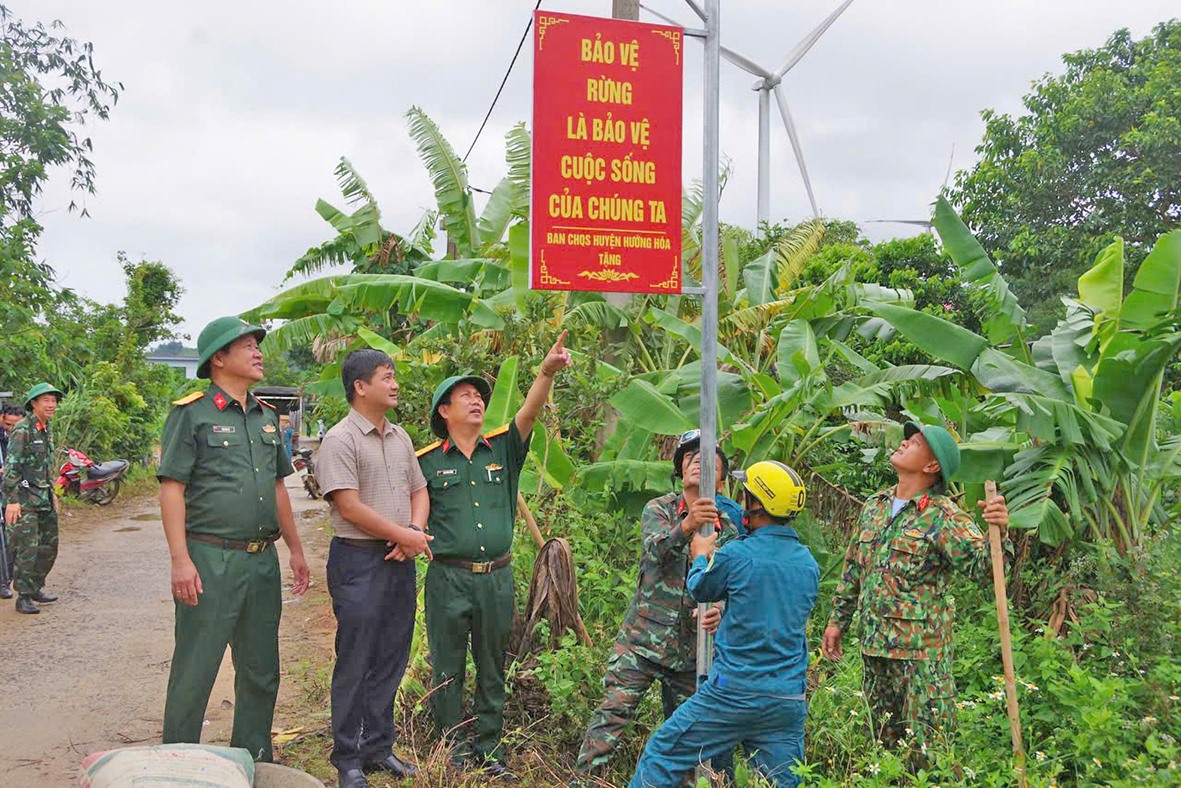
x=302, y=460
x=95, y=482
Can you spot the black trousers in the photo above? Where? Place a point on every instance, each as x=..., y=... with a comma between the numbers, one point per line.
x=374, y=601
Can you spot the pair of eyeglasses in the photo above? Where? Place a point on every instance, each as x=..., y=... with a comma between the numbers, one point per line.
x=687, y=437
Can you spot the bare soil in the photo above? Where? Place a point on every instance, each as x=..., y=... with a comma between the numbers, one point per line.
x=89, y=672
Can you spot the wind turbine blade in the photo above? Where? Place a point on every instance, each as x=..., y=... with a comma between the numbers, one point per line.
x=659, y=15
x=947, y=177
x=790, y=125
x=746, y=64
x=917, y=222
x=810, y=40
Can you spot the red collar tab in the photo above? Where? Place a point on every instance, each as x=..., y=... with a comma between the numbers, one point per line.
x=220, y=401
x=924, y=502
x=681, y=507
x=486, y=442
x=446, y=445
x=38, y=425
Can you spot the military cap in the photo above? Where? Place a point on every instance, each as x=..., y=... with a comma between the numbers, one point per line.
x=220, y=333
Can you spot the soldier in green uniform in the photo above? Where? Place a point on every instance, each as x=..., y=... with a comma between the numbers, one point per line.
x=472, y=478
x=31, y=509
x=658, y=638
x=224, y=503
x=909, y=540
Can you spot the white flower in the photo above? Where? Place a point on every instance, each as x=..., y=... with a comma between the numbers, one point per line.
x=998, y=695
x=1041, y=756
x=875, y=769
x=853, y=712
x=970, y=772
x=909, y=733
x=831, y=689
x=1175, y=697
x=1149, y=720
x=859, y=693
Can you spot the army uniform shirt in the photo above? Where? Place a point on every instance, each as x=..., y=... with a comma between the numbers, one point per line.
x=28, y=466
x=474, y=501
x=228, y=459
x=897, y=572
x=659, y=623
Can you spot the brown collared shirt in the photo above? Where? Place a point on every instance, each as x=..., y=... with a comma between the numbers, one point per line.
x=379, y=465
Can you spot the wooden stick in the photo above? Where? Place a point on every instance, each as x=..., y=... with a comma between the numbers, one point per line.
x=1002, y=617
x=529, y=521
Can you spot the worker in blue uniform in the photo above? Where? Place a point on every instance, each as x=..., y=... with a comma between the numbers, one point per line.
x=754, y=695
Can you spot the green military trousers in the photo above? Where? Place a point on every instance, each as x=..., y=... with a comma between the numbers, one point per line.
x=240, y=607
x=33, y=542
x=458, y=604
x=911, y=702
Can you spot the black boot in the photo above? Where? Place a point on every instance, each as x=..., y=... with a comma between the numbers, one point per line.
x=6, y=591
x=25, y=604
x=43, y=597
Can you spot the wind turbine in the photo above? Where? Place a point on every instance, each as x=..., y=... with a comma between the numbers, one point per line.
x=772, y=82
x=926, y=224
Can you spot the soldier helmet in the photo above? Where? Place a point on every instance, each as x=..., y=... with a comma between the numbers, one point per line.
x=777, y=487
x=943, y=446
x=438, y=426
x=220, y=333
x=38, y=390
x=691, y=441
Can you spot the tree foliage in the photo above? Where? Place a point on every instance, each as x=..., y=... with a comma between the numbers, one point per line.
x=1097, y=153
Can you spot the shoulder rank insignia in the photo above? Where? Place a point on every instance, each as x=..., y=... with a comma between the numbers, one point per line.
x=426, y=449
x=497, y=431
x=264, y=403
x=189, y=399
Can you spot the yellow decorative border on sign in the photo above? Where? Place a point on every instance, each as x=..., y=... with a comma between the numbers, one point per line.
x=608, y=275
x=546, y=278
x=674, y=278
x=675, y=37
x=544, y=22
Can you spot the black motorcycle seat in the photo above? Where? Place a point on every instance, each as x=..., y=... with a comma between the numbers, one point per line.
x=103, y=469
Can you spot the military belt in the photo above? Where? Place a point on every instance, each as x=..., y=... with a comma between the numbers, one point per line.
x=250, y=546
x=478, y=567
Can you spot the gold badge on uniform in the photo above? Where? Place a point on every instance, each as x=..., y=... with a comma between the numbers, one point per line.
x=268, y=428
x=493, y=468
x=913, y=534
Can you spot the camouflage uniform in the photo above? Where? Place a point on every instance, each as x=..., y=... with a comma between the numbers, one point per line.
x=897, y=573
x=28, y=480
x=658, y=638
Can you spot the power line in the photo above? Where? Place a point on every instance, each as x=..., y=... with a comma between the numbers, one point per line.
x=496, y=98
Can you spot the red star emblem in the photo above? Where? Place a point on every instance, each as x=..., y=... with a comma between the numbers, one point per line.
x=924, y=502
x=219, y=400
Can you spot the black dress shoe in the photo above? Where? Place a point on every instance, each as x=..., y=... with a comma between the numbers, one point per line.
x=497, y=770
x=353, y=778
x=25, y=604
x=43, y=598
x=5, y=591
x=394, y=765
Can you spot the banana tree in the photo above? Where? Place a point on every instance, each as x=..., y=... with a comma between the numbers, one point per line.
x=1071, y=418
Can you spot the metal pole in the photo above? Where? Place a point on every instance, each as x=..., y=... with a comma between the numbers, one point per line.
x=764, y=201
x=709, y=302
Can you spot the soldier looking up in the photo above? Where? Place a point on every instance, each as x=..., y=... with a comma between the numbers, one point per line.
x=30, y=511
x=224, y=503
x=472, y=477
x=908, y=541
x=658, y=638
x=755, y=693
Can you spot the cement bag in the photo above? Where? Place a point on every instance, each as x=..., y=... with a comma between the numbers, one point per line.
x=187, y=765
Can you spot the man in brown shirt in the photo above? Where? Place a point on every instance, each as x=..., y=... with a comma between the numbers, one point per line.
x=369, y=474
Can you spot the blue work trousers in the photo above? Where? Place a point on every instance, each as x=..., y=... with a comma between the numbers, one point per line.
x=709, y=725
x=374, y=602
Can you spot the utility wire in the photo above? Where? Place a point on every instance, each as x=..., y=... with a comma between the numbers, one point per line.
x=496, y=98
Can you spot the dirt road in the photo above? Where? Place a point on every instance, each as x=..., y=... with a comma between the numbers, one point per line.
x=89, y=672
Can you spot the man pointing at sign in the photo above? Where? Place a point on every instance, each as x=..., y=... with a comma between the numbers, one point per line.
x=472, y=477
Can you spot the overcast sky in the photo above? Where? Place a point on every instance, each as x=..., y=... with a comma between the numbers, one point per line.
x=235, y=114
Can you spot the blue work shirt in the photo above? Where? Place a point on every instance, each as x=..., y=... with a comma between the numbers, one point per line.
x=733, y=511
x=769, y=582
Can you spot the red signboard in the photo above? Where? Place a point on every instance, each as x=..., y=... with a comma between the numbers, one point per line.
x=606, y=199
